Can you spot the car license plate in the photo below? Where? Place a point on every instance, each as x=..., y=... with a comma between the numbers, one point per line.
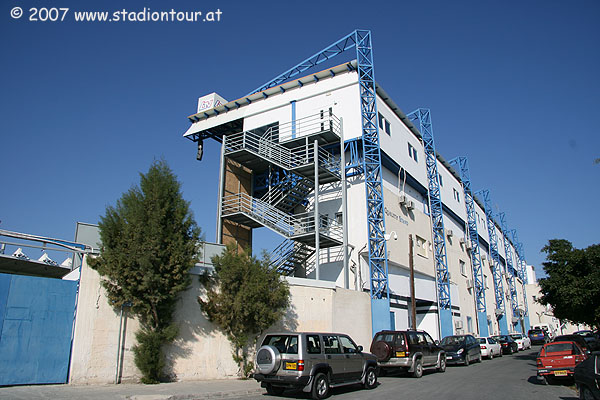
x=560, y=373
x=290, y=365
x=400, y=354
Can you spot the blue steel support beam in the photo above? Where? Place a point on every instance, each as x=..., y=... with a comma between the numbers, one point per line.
x=423, y=115
x=378, y=263
x=462, y=163
x=496, y=267
x=510, y=274
x=524, y=279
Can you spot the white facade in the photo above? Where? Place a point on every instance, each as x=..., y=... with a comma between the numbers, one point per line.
x=404, y=178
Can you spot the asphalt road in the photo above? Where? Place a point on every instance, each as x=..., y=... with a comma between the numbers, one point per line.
x=506, y=378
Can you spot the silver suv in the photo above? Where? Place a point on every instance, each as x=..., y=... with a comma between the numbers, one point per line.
x=313, y=362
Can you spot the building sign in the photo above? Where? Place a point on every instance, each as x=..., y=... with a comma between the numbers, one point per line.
x=210, y=101
x=395, y=216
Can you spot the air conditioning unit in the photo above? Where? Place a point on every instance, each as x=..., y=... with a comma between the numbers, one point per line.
x=498, y=312
x=402, y=199
x=410, y=205
x=458, y=324
x=469, y=283
x=507, y=295
x=483, y=257
x=468, y=246
x=449, y=232
x=461, y=240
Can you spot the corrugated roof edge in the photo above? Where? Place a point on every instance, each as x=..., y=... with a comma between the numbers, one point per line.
x=305, y=80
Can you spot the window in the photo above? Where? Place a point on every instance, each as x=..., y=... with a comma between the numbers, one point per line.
x=339, y=218
x=331, y=344
x=287, y=344
x=470, y=325
x=348, y=345
x=421, y=246
x=440, y=179
x=463, y=269
x=384, y=124
x=313, y=344
x=456, y=195
x=412, y=152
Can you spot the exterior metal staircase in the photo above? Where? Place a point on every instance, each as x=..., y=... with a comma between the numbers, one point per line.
x=289, y=193
x=289, y=255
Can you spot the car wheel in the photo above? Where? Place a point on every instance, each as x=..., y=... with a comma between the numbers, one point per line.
x=275, y=390
x=549, y=380
x=418, y=369
x=320, y=388
x=466, y=360
x=442, y=367
x=370, y=378
x=479, y=359
x=491, y=354
x=585, y=394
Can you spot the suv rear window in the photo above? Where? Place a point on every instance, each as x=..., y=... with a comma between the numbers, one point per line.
x=397, y=339
x=287, y=344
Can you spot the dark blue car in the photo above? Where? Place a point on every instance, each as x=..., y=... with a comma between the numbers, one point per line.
x=538, y=336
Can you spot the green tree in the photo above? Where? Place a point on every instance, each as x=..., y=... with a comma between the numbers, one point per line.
x=149, y=244
x=572, y=287
x=243, y=298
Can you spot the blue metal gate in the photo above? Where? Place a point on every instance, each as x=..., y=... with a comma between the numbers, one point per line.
x=36, y=325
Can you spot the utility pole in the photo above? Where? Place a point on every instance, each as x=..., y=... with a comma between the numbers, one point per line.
x=413, y=305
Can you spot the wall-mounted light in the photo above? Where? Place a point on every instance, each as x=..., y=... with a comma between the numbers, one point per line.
x=390, y=235
x=200, y=150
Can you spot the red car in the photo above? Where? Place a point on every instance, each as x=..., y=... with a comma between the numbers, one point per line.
x=558, y=360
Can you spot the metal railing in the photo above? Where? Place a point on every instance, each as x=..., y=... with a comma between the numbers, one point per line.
x=268, y=145
x=286, y=224
x=309, y=125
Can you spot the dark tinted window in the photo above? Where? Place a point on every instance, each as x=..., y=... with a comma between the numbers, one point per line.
x=385, y=337
x=313, y=344
x=412, y=338
x=429, y=339
x=283, y=343
x=331, y=344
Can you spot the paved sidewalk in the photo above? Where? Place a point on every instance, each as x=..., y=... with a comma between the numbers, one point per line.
x=213, y=389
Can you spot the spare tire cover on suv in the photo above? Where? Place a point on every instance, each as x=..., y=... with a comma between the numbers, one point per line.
x=267, y=359
x=382, y=350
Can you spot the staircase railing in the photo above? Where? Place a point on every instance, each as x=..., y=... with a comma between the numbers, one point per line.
x=289, y=225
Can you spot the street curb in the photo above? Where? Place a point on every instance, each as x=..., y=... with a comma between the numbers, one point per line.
x=231, y=394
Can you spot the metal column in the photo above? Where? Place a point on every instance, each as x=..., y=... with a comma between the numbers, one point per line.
x=496, y=266
x=423, y=115
x=463, y=166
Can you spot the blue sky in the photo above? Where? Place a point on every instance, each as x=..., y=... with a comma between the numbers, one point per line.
x=512, y=85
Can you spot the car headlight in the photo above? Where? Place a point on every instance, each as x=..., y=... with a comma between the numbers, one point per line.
x=460, y=351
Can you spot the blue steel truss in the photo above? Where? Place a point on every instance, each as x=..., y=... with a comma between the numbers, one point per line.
x=423, y=115
x=378, y=264
x=496, y=267
x=510, y=272
x=463, y=166
x=523, y=273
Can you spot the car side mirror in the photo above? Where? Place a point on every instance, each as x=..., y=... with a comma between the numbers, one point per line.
x=360, y=349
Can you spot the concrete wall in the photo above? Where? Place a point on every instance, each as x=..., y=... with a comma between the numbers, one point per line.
x=201, y=351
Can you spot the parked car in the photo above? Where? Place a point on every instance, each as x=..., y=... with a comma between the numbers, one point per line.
x=587, y=377
x=523, y=342
x=461, y=349
x=592, y=340
x=538, y=336
x=509, y=346
x=580, y=340
x=489, y=347
x=313, y=362
x=558, y=360
x=549, y=329
x=411, y=351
